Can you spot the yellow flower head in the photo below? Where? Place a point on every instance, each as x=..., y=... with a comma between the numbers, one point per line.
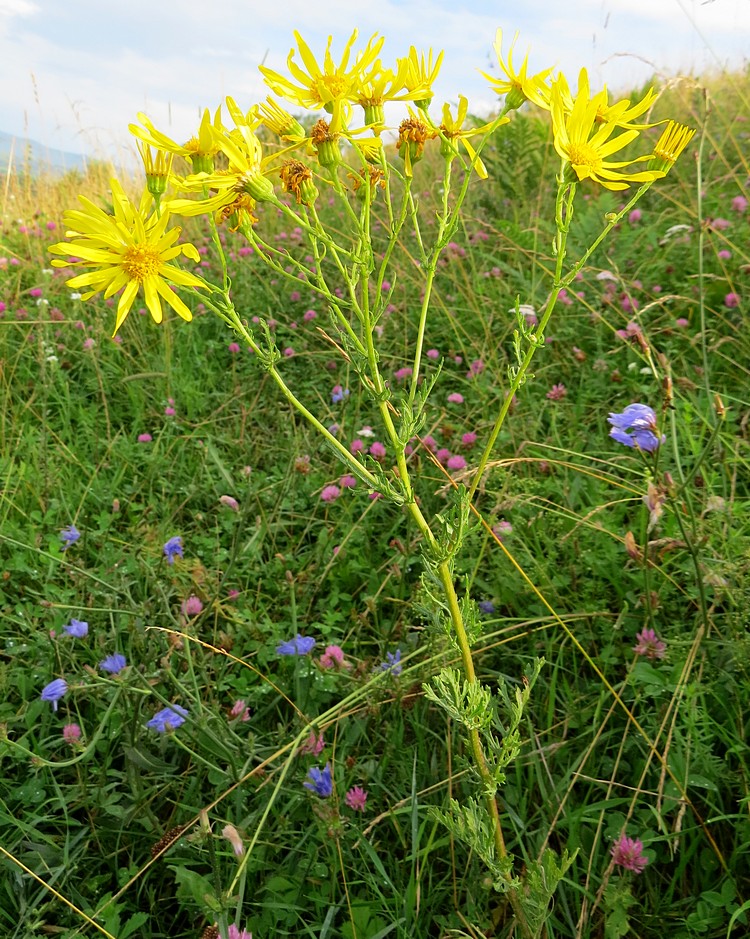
x=585, y=144
x=128, y=251
x=245, y=174
x=297, y=178
x=327, y=87
x=453, y=129
x=413, y=133
x=279, y=121
x=421, y=74
x=158, y=169
x=376, y=87
x=517, y=86
x=670, y=145
x=623, y=113
x=199, y=150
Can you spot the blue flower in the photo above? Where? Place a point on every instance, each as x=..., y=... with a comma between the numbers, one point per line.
x=338, y=394
x=168, y=719
x=173, y=549
x=113, y=663
x=69, y=535
x=486, y=606
x=636, y=427
x=392, y=663
x=77, y=628
x=54, y=691
x=300, y=645
x=321, y=782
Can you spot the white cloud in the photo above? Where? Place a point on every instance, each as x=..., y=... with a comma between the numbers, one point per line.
x=10, y=8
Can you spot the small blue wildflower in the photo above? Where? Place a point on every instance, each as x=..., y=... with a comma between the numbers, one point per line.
x=113, y=663
x=77, y=628
x=392, y=663
x=300, y=645
x=54, y=691
x=69, y=535
x=321, y=782
x=486, y=606
x=173, y=549
x=636, y=427
x=168, y=719
x=338, y=394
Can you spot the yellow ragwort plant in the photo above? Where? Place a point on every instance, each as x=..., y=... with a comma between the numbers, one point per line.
x=231, y=181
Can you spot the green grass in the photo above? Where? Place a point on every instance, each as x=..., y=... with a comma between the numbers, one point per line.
x=610, y=739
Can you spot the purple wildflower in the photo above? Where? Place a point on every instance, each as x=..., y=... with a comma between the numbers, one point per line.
x=636, y=427
x=113, y=664
x=173, y=549
x=300, y=645
x=77, y=628
x=321, y=782
x=168, y=719
x=54, y=691
x=69, y=535
x=392, y=663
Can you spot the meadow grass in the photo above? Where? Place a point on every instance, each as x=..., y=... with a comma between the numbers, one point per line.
x=175, y=431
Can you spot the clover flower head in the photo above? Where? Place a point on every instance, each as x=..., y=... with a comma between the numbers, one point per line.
x=356, y=798
x=168, y=719
x=71, y=733
x=234, y=932
x=300, y=645
x=333, y=657
x=77, y=628
x=113, y=664
x=239, y=711
x=649, y=644
x=54, y=691
x=330, y=493
x=313, y=744
x=628, y=853
x=320, y=781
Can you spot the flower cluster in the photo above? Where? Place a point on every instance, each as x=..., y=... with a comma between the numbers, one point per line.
x=131, y=250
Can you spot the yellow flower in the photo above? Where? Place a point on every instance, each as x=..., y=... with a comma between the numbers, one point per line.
x=670, y=145
x=421, y=74
x=585, y=144
x=413, y=133
x=280, y=121
x=245, y=174
x=128, y=251
x=452, y=129
x=622, y=113
x=158, y=169
x=517, y=86
x=328, y=87
x=378, y=86
x=298, y=179
x=199, y=150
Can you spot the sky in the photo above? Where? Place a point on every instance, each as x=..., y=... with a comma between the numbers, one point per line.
x=74, y=73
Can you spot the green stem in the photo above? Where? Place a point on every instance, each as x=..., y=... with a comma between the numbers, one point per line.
x=348, y=458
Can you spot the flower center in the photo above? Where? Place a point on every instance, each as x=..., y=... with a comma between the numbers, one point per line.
x=141, y=261
x=335, y=85
x=582, y=154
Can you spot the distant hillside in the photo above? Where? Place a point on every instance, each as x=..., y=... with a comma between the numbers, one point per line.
x=37, y=157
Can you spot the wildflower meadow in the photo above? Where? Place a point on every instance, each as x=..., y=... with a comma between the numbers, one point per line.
x=374, y=543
